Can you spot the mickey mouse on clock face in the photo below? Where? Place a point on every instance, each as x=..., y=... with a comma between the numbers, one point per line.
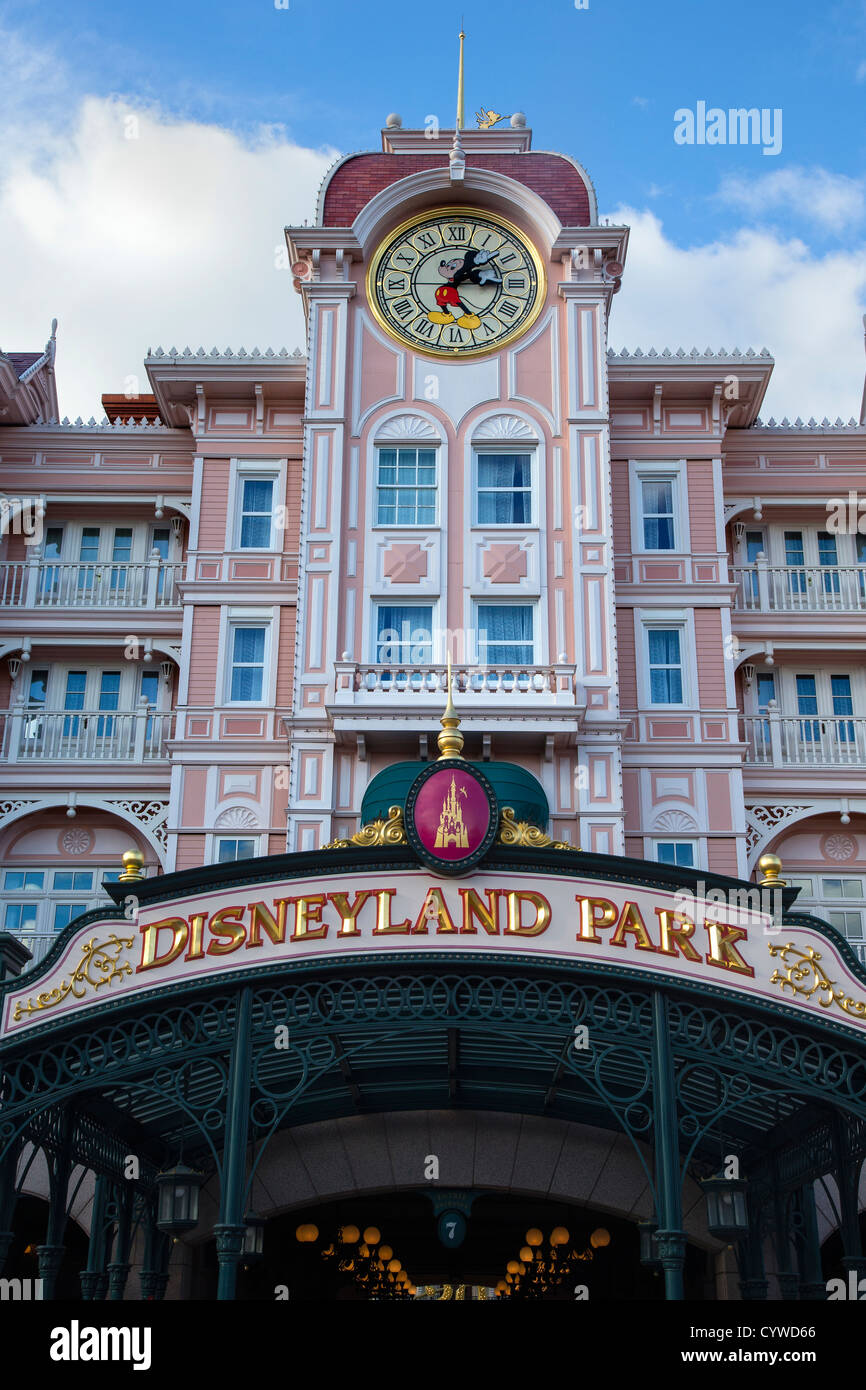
x=476, y=268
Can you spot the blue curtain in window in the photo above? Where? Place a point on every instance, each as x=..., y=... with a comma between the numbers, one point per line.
x=256, y=528
x=249, y=649
x=505, y=634
x=404, y=634
x=666, y=679
x=509, y=505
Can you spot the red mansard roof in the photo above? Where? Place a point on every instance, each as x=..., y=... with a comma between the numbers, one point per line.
x=552, y=176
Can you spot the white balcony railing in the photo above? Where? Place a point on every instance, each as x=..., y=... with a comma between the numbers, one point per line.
x=413, y=682
x=763, y=588
x=126, y=736
x=38, y=943
x=777, y=740
x=115, y=584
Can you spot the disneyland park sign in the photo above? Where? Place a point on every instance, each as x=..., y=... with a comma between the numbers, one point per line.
x=493, y=913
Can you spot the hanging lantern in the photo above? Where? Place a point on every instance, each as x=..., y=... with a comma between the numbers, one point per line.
x=600, y=1238
x=253, y=1238
x=534, y=1236
x=177, y=1202
x=727, y=1210
x=348, y=1235
x=649, y=1255
x=307, y=1234
x=559, y=1236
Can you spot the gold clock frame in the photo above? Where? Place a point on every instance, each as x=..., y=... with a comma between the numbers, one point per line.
x=435, y=214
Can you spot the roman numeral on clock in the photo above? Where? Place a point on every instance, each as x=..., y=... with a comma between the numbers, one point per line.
x=515, y=282
x=427, y=240
x=457, y=233
x=403, y=308
x=507, y=309
x=423, y=328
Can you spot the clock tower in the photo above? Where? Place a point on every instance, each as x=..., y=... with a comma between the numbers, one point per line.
x=456, y=476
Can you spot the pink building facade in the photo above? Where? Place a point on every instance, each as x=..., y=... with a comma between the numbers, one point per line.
x=226, y=611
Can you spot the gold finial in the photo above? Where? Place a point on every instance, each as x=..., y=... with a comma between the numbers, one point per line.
x=771, y=866
x=450, y=740
x=133, y=866
x=460, y=82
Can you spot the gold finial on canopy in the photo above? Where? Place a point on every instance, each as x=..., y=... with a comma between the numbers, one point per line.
x=450, y=740
x=133, y=866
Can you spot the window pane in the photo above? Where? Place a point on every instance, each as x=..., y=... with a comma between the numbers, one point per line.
x=404, y=633
x=256, y=507
x=230, y=850
x=411, y=470
x=666, y=681
x=20, y=915
x=504, y=489
x=15, y=880
x=38, y=687
x=505, y=634
x=64, y=913
x=76, y=684
x=657, y=501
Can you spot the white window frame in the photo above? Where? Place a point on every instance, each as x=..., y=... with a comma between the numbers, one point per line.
x=400, y=601
x=215, y=840
x=674, y=472
x=532, y=603
x=47, y=897
x=694, y=845
x=234, y=619
x=271, y=470
x=488, y=450
x=659, y=619
x=432, y=446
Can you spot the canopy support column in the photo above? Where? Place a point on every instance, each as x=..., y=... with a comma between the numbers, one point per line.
x=670, y=1236
x=229, y=1230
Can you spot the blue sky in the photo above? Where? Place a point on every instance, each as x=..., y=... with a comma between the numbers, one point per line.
x=601, y=83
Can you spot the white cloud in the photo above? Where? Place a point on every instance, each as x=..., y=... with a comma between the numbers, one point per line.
x=861, y=72
x=755, y=289
x=167, y=238
x=813, y=194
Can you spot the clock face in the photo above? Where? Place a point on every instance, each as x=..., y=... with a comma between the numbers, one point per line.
x=456, y=283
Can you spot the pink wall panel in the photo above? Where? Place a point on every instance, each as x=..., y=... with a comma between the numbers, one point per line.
x=620, y=508
x=631, y=797
x=702, y=513
x=627, y=667
x=722, y=855
x=286, y=656
x=204, y=654
x=214, y=504
x=190, y=851
x=710, y=658
x=194, y=787
x=719, y=801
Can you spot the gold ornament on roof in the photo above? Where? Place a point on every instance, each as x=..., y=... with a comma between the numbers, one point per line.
x=486, y=119
x=376, y=832
x=523, y=832
x=450, y=741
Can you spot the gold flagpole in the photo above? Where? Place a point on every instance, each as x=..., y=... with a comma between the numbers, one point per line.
x=460, y=83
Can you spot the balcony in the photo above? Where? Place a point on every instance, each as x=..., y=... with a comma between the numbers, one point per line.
x=121, y=736
x=114, y=585
x=425, y=686
x=763, y=588
x=777, y=740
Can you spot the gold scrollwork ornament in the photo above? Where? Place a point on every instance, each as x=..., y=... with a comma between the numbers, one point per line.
x=377, y=832
x=804, y=976
x=522, y=832
x=101, y=957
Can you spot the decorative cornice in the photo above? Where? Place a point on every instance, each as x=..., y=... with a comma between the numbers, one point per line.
x=694, y=355
x=240, y=357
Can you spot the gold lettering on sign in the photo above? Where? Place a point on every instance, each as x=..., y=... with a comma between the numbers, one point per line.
x=261, y=918
x=632, y=924
x=222, y=924
x=348, y=915
x=473, y=907
x=723, y=952
x=433, y=909
x=196, y=931
x=594, y=912
x=515, y=901
x=384, y=926
x=309, y=910
x=150, y=960
x=676, y=929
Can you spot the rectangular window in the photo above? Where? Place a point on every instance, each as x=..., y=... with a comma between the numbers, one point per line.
x=64, y=913
x=73, y=880
x=404, y=634
x=257, y=505
x=504, y=490
x=505, y=634
x=16, y=880
x=657, y=508
x=795, y=559
x=829, y=560
x=678, y=852
x=230, y=850
x=19, y=916
x=248, y=664
x=807, y=703
x=665, y=666
x=406, y=487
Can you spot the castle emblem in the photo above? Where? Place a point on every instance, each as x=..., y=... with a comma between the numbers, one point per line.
x=452, y=830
